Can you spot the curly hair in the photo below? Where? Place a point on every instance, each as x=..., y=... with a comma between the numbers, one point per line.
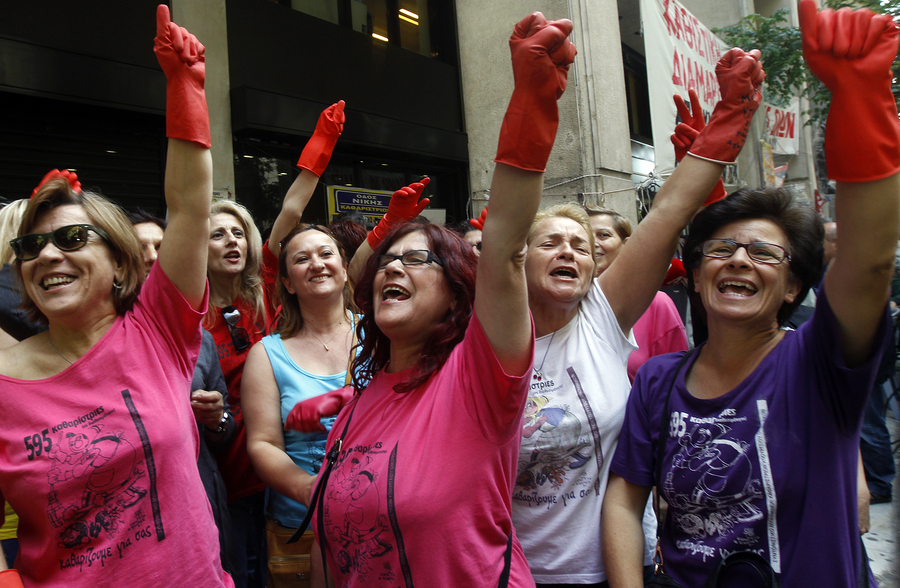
x=251, y=281
x=799, y=222
x=105, y=215
x=459, y=268
x=291, y=319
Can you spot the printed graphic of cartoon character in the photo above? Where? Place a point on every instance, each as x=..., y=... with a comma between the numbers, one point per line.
x=357, y=530
x=551, y=445
x=100, y=473
x=712, y=484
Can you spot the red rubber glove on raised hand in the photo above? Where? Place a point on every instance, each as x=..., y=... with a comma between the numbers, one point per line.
x=541, y=54
x=317, y=153
x=10, y=579
x=852, y=52
x=404, y=206
x=740, y=78
x=306, y=416
x=686, y=133
x=182, y=59
x=70, y=177
x=478, y=223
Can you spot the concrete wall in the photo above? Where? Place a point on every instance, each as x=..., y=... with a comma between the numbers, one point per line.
x=206, y=20
x=593, y=136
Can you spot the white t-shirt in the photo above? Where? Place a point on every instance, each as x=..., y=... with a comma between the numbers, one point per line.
x=570, y=431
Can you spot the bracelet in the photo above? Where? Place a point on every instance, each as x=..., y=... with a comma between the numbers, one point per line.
x=222, y=423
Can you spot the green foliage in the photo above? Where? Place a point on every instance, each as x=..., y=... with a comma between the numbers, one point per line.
x=782, y=54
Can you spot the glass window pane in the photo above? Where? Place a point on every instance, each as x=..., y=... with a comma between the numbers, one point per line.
x=324, y=9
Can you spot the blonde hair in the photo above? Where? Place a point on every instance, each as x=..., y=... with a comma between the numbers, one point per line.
x=105, y=215
x=569, y=211
x=10, y=219
x=251, y=281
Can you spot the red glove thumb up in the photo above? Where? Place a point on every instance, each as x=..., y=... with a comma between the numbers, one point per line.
x=307, y=415
x=479, y=222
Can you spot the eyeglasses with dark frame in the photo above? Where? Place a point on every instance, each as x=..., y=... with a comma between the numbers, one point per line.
x=239, y=336
x=759, y=251
x=410, y=258
x=67, y=238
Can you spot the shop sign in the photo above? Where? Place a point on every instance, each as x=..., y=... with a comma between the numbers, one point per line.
x=372, y=203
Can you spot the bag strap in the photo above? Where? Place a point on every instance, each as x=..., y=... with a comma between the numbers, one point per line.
x=660, y=454
x=764, y=572
x=507, y=562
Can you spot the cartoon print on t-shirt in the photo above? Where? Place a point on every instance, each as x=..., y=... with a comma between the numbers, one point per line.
x=98, y=475
x=552, y=444
x=712, y=484
x=360, y=534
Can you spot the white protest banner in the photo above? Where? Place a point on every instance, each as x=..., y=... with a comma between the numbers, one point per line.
x=783, y=127
x=681, y=54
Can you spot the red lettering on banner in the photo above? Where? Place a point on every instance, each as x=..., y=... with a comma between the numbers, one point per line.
x=677, y=78
x=670, y=26
x=688, y=29
x=679, y=25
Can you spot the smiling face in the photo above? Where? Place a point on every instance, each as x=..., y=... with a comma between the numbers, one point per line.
x=227, y=245
x=739, y=289
x=150, y=236
x=71, y=283
x=607, y=241
x=314, y=267
x=410, y=301
x=558, y=266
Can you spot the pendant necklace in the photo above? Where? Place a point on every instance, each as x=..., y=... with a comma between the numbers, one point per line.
x=53, y=347
x=539, y=373
x=320, y=341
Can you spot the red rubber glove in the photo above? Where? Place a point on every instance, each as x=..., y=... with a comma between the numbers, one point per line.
x=852, y=52
x=10, y=579
x=404, y=206
x=740, y=78
x=686, y=133
x=306, y=415
x=674, y=273
x=317, y=153
x=182, y=59
x=541, y=54
x=478, y=223
x=70, y=177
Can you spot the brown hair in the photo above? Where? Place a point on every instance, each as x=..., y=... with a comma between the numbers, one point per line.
x=105, y=215
x=620, y=223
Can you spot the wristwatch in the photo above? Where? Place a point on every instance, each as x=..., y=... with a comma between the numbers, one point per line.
x=222, y=424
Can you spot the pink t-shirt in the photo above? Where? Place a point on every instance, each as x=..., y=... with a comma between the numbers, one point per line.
x=100, y=460
x=659, y=330
x=421, y=493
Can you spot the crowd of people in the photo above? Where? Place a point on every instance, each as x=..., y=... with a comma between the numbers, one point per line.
x=487, y=404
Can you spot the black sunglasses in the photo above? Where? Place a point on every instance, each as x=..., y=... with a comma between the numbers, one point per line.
x=68, y=238
x=239, y=336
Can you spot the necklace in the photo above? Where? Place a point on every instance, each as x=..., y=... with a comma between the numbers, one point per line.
x=57, y=350
x=330, y=340
x=539, y=373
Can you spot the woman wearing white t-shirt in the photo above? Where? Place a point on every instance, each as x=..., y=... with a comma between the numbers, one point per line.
x=582, y=324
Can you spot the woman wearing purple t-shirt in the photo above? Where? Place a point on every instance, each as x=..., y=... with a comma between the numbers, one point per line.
x=753, y=440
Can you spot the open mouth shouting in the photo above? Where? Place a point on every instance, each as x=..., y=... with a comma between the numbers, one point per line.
x=565, y=272
x=394, y=292
x=737, y=288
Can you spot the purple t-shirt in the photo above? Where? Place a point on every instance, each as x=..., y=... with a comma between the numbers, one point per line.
x=100, y=460
x=768, y=467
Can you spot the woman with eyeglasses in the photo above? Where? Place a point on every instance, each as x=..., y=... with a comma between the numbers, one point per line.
x=241, y=274
x=98, y=437
x=579, y=380
x=753, y=438
x=425, y=449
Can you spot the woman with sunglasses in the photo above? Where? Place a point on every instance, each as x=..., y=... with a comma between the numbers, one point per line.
x=241, y=274
x=98, y=436
x=425, y=466
x=753, y=438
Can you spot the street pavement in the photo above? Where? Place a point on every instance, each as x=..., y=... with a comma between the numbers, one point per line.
x=883, y=539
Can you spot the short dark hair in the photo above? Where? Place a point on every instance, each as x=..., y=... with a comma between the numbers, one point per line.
x=141, y=216
x=350, y=234
x=459, y=265
x=799, y=222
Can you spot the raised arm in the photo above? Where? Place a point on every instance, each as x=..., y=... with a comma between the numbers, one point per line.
x=541, y=55
x=312, y=163
x=634, y=277
x=188, y=183
x=265, y=435
x=852, y=52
